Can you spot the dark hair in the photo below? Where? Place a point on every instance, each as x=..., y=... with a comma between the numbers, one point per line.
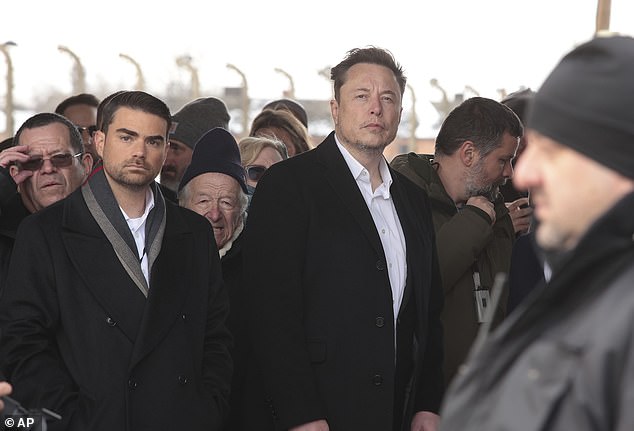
x=138, y=100
x=103, y=103
x=285, y=120
x=518, y=101
x=79, y=99
x=6, y=143
x=46, y=118
x=371, y=55
x=480, y=120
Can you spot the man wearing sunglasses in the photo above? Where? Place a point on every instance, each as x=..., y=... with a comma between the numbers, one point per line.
x=46, y=164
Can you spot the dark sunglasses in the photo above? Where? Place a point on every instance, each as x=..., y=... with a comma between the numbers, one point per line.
x=63, y=160
x=255, y=172
x=90, y=129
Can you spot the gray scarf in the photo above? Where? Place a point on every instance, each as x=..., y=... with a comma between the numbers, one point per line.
x=105, y=209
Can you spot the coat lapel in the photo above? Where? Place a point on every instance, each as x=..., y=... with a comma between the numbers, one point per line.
x=169, y=284
x=412, y=233
x=340, y=178
x=98, y=266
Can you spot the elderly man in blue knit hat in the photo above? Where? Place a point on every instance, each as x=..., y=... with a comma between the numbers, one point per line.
x=214, y=186
x=564, y=360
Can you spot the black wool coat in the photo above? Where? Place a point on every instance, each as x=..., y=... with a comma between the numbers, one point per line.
x=320, y=301
x=81, y=339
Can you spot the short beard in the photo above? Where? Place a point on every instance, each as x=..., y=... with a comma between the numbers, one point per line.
x=473, y=188
x=371, y=150
x=170, y=184
x=131, y=184
x=136, y=183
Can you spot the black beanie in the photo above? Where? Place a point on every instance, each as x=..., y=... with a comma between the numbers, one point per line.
x=519, y=101
x=216, y=151
x=198, y=117
x=587, y=102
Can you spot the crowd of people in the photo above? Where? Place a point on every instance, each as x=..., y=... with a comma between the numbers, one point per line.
x=156, y=272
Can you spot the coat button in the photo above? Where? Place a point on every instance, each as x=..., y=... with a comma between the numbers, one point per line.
x=182, y=380
x=377, y=380
x=380, y=265
x=184, y=317
x=132, y=384
x=379, y=322
x=110, y=321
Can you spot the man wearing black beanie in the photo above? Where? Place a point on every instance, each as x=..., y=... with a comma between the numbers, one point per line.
x=565, y=359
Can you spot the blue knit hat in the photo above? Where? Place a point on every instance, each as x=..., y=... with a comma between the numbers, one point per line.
x=216, y=151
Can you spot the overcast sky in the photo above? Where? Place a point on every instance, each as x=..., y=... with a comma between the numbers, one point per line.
x=483, y=44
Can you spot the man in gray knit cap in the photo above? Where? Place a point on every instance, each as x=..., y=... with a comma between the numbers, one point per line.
x=565, y=359
x=190, y=123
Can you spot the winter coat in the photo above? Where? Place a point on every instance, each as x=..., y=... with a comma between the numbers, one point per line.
x=465, y=240
x=565, y=359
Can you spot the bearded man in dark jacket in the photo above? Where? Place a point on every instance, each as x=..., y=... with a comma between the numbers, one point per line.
x=474, y=231
x=565, y=359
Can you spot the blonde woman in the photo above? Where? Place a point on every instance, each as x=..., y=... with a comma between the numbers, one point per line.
x=257, y=155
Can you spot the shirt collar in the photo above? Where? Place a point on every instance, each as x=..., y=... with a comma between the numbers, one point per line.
x=149, y=204
x=357, y=169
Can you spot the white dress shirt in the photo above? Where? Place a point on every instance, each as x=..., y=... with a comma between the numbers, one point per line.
x=137, y=227
x=386, y=221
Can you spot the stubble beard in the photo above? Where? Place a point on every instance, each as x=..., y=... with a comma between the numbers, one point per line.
x=372, y=150
x=134, y=182
x=474, y=187
x=169, y=183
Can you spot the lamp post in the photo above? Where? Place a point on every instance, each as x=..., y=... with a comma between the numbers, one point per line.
x=325, y=73
x=79, y=73
x=290, y=93
x=413, y=120
x=8, y=106
x=185, y=61
x=245, y=99
x=603, y=15
x=140, y=80
x=470, y=89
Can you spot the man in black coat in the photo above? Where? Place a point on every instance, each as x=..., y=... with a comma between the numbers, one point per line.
x=114, y=309
x=342, y=276
x=214, y=186
x=46, y=164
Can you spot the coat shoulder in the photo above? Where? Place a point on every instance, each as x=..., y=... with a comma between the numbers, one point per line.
x=416, y=167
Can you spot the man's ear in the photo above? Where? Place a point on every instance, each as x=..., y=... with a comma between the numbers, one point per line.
x=467, y=152
x=13, y=170
x=334, y=111
x=98, y=139
x=87, y=163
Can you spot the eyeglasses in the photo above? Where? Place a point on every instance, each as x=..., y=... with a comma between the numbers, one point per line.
x=90, y=129
x=255, y=172
x=63, y=160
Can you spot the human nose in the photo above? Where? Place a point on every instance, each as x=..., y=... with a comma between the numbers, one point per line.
x=375, y=105
x=213, y=212
x=86, y=136
x=47, y=166
x=139, y=148
x=507, y=172
x=171, y=155
x=526, y=170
